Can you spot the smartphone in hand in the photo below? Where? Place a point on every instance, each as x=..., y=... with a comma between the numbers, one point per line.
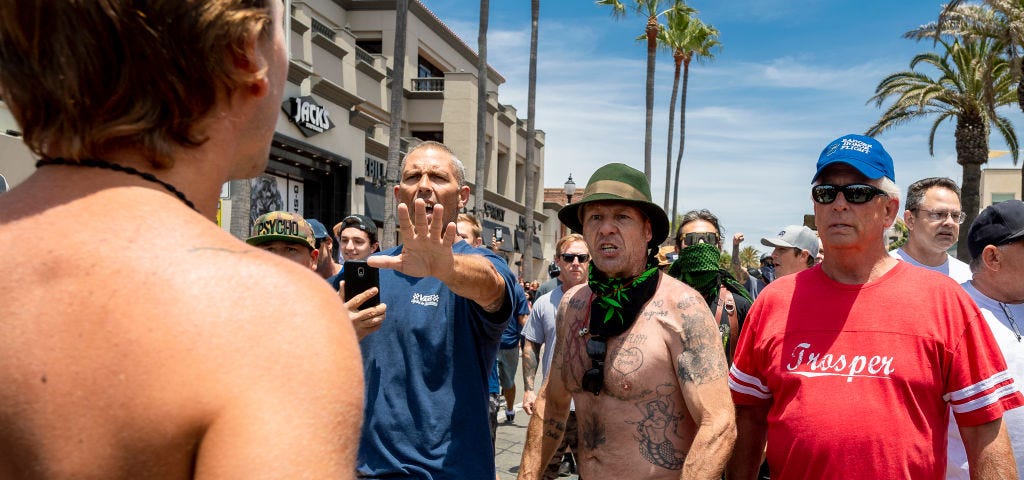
x=498, y=233
x=360, y=277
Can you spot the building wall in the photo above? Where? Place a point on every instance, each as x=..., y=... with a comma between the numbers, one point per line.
x=999, y=184
x=444, y=103
x=16, y=161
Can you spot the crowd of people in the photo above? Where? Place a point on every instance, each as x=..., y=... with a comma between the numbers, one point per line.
x=191, y=354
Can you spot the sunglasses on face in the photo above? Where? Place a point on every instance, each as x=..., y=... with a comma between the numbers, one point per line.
x=700, y=237
x=581, y=257
x=593, y=379
x=855, y=193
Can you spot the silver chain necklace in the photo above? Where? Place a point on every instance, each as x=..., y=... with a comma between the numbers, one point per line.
x=1013, y=324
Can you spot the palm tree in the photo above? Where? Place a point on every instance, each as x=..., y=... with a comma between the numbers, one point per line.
x=531, y=160
x=395, y=128
x=750, y=257
x=651, y=9
x=1000, y=20
x=689, y=39
x=973, y=80
x=481, y=112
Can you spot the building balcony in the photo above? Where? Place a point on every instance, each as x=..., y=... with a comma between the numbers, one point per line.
x=427, y=88
x=428, y=84
x=371, y=64
x=364, y=56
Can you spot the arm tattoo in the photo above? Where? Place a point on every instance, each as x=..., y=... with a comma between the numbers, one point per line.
x=577, y=303
x=554, y=428
x=495, y=305
x=703, y=358
x=529, y=364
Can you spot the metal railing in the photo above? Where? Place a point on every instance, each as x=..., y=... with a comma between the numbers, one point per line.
x=323, y=29
x=364, y=56
x=428, y=84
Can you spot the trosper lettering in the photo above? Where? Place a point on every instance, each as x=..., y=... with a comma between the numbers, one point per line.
x=809, y=363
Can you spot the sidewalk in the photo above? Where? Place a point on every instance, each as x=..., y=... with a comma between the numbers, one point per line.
x=508, y=446
x=508, y=443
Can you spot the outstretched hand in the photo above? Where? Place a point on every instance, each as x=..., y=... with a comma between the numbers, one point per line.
x=426, y=247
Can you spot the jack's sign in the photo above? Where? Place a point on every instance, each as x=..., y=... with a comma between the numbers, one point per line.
x=311, y=117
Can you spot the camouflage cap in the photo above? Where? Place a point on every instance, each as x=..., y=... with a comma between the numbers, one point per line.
x=281, y=226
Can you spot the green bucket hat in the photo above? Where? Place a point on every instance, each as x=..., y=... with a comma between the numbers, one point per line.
x=619, y=183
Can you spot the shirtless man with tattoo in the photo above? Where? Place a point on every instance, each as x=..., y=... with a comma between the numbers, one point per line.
x=638, y=351
x=160, y=347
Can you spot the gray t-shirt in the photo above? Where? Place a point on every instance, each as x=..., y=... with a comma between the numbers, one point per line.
x=540, y=327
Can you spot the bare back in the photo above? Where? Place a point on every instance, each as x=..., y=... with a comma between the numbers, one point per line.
x=142, y=341
x=642, y=425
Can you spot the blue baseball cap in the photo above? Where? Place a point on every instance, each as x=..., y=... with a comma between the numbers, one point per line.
x=319, y=230
x=858, y=151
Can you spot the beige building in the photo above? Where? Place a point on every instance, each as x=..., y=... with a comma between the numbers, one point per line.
x=16, y=162
x=999, y=184
x=329, y=152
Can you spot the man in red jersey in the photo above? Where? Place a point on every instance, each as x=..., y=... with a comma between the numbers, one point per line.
x=850, y=367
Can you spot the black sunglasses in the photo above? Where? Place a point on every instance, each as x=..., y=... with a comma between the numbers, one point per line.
x=582, y=257
x=593, y=379
x=855, y=193
x=700, y=237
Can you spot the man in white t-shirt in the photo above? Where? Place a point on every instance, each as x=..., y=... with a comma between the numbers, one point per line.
x=933, y=217
x=996, y=243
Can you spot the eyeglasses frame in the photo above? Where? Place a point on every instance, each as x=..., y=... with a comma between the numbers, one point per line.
x=959, y=219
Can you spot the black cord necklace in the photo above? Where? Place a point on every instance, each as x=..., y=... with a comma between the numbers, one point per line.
x=89, y=162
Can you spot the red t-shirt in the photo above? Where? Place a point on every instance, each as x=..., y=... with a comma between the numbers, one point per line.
x=860, y=378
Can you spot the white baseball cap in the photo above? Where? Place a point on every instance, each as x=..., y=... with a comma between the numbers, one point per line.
x=794, y=236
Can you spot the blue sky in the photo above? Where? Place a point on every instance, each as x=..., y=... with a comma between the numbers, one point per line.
x=790, y=77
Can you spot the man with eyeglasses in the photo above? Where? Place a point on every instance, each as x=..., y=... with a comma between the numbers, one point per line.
x=572, y=259
x=638, y=352
x=933, y=217
x=850, y=367
x=996, y=243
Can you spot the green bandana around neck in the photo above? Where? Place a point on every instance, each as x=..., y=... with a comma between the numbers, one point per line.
x=698, y=267
x=618, y=301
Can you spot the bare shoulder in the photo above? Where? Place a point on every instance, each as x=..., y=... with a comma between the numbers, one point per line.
x=682, y=304
x=254, y=298
x=691, y=334
x=162, y=333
